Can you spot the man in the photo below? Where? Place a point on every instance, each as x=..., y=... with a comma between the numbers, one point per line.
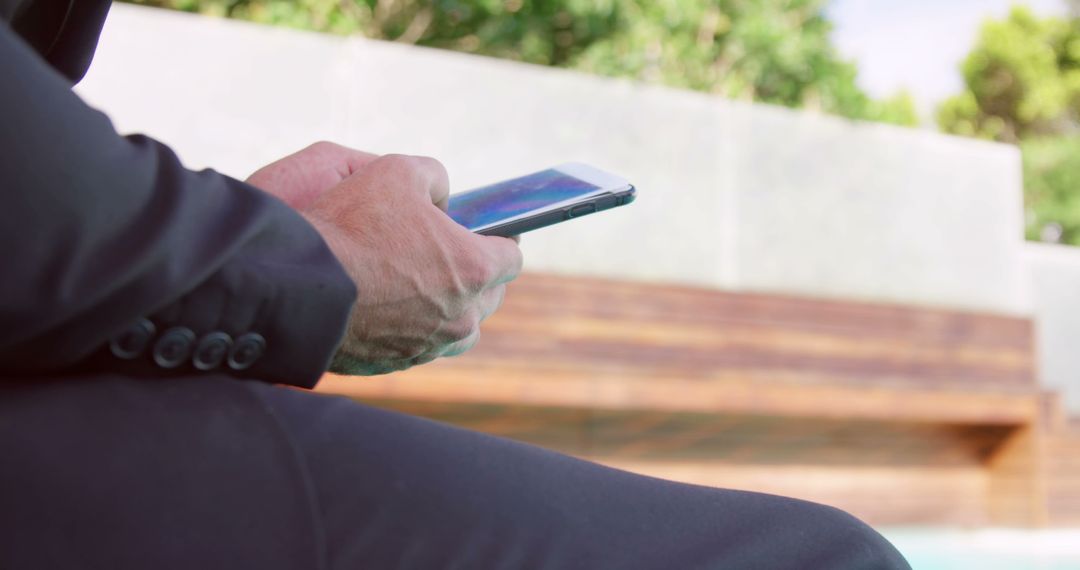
x=149, y=315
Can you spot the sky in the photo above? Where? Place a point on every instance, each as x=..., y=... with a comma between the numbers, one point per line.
x=916, y=44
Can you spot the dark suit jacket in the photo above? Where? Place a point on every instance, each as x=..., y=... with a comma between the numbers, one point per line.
x=115, y=257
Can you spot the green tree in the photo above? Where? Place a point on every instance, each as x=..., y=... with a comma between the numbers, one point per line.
x=1022, y=86
x=1052, y=188
x=1022, y=79
x=772, y=51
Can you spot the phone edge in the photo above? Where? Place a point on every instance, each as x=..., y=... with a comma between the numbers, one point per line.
x=542, y=220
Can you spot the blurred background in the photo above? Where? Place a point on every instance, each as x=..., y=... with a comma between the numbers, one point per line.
x=849, y=277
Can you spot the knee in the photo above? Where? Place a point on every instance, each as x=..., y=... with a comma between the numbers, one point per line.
x=846, y=542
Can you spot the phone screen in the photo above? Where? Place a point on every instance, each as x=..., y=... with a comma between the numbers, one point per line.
x=511, y=199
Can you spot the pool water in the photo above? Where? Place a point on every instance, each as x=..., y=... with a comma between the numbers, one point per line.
x=987, y=549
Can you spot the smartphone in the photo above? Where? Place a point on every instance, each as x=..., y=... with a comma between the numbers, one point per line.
x=544, y=198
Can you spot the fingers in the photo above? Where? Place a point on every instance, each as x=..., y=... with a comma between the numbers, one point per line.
x=465, y=333
x=491, y=300
x=462, y=346
x=459, y=337
x=500, y=258
x=504, y=257
x=438, y=181
x=418, y=173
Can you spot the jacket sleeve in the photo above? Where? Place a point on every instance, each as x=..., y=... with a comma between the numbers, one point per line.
x=116, y=257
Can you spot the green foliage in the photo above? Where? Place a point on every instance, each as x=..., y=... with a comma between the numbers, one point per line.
x=1052, y=186
x=773, y=51
x=1022, y=79
x=1022, y=85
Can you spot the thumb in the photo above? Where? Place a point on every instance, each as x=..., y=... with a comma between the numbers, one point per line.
x=505, y=255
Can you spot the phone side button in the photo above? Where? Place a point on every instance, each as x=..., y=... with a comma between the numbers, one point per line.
x=582, y=210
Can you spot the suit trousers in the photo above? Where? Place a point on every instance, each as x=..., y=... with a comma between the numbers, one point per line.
x=208, y=472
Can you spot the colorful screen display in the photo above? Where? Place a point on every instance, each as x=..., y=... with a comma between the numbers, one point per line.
x=505, y=200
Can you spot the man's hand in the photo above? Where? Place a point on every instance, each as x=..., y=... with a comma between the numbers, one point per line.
x=300, y=178
x=424, y=281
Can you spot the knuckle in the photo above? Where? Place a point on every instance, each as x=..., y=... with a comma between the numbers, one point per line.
x=419, y=175
x=517, y=261
x=463, y=345
x=323, y=146
x=465, y=327
x=470, y=342
x=473, y=268
x=424, y=359
x=406, y=162
x=431, y=168
x=499, y=295
x=432, y=171
x=486, y=272
x=429, y=165
x=411, y=352
x=482, y=271
x=398, y=162
x=414, y=169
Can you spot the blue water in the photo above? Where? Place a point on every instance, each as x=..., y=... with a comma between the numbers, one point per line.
x=987, y=549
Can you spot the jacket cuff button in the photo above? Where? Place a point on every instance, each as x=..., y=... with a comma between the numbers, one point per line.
x=246, y=350
x=174, y=347
x=211, y=351
x=130, y=343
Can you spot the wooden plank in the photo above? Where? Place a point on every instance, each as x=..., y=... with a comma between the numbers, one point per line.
x=594, y=322
x=1063, y=474
x=600, y=389
x=749, y=336
x=561, y=340
x=590, y=297
x=1016, y=483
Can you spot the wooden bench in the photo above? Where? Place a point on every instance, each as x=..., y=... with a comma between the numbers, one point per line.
x=898, y=414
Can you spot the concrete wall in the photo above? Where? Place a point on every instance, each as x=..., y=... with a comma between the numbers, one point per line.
x=733, y=196
x=1055, y=279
